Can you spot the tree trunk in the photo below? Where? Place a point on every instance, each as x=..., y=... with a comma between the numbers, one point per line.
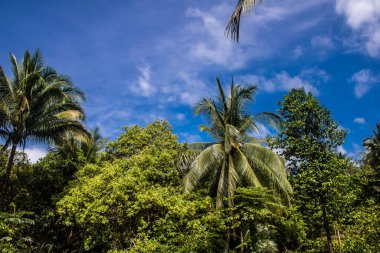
x=326, y=224
x=4, y=187
x=338, y=237
x=241, y=240
x=253, y=234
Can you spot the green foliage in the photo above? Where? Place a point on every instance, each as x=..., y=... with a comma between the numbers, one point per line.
x=308, y=132
x=14, y=235
x=235, y=160
x=256, y=215
x=39, y=104
x=80, y=151
x=37, y=187
x=308, y=139
x=362, y=234
x=132, y=200
x=129, y=198
x=265, y=223
x=372, y=158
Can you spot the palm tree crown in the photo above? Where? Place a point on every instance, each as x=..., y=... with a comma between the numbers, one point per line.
x=235, y=158
x=37, y=104
x=71, y=146
x=372, y=144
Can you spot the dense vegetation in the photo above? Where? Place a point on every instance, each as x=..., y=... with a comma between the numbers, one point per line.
x=146, y=192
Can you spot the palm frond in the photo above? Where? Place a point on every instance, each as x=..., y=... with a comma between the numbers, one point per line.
x=242, y=7
x=222, y=95
x=15, y=69
x=245, y=170
x=199, y=145
x=70, y=114
x=207, y=160
x=233, y=180
x=222, y=186
x=270, y=169
x=268, y=118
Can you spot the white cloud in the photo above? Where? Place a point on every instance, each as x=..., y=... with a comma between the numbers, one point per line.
x=282, y=81
x=143, y=86
x=298, y=52
x=200, y=47
x=35, y=153
x=262, y=32
x=180, y=116
x=187, y=89
x=213, y=47
x=341, y=149
x=357, y=152
x=359, y=120
x=189, y=138
x=364, y=81
x=363, y=17
x=322, y=42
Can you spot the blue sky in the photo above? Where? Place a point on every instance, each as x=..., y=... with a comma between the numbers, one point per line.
x=138, y=61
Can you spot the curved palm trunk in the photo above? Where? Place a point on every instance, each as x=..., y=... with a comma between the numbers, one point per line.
x=4, y=186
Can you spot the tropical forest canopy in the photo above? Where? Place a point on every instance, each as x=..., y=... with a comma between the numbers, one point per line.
x=146, y=192
x=262, y=181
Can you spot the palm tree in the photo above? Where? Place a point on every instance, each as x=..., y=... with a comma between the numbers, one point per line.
x=235, y=159
x=242, y=7
x=372, y=144
x=71, y=146
x=37, y=104
x=372, y=158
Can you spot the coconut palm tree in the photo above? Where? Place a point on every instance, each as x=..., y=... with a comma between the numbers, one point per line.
x=90, y=148
x=242, y=7
x=235, y=158
x=37, y=104
x=372, y=158
x=372, y=144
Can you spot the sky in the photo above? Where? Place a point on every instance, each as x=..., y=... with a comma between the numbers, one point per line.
x=138, y=61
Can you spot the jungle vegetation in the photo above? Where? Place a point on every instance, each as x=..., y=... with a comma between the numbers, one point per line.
x=147, y=192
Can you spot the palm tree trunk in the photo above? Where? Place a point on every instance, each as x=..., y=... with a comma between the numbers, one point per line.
x=4, y=187
x=326, y=224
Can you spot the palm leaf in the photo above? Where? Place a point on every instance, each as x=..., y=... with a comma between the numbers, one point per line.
x=208, y=160
x=270, y=169
x=242, y=7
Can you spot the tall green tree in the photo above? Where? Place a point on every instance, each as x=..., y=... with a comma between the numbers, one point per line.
x=37, y=104
x=234, y=159
x=308, y=139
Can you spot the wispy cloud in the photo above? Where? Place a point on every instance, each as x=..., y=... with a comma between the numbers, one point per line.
x=143, y=86
x=309, y=79
x=357, y=151
x=341, y=149
x=364, y=81
x=187, y=89
x=298, y=51
x=35, y=153
x=359, y=120
x=201, y=48
x=189, y=138
x=322, y=42
x=180, y=116
x=364, y=18
x=209, y=44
